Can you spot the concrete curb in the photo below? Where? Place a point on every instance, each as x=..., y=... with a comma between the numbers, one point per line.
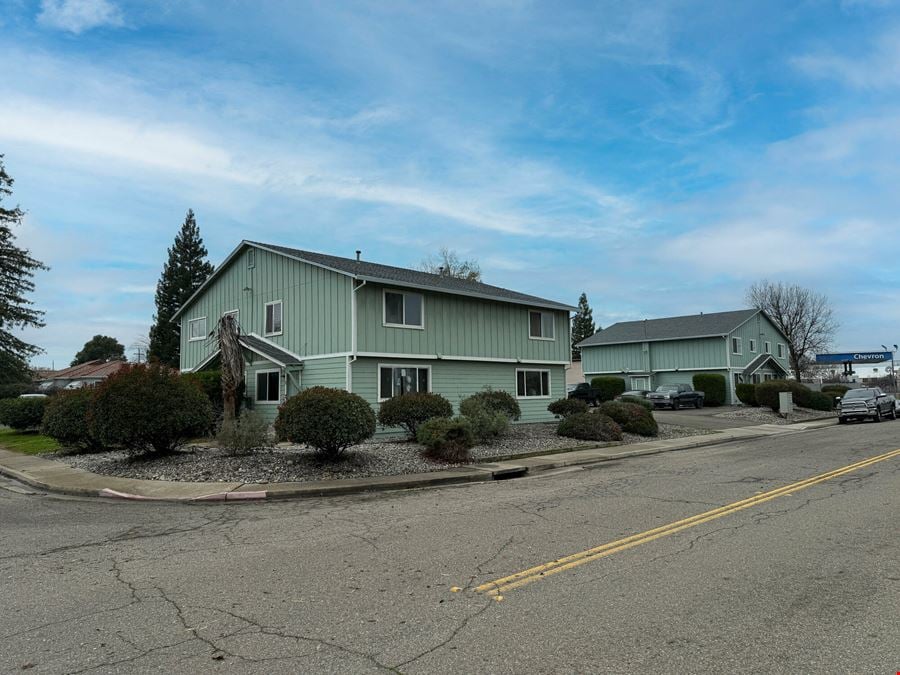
x=53, y=476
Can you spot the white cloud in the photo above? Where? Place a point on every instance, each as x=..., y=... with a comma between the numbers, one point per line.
x=77, y=16
x=877, y=69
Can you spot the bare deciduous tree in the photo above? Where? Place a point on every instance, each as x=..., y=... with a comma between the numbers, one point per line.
x=804, y=316
x=448, y=264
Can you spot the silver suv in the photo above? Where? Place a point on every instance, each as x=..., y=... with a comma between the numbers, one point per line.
x=858, y=404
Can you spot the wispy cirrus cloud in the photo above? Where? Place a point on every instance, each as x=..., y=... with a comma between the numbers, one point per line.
x=77, y=16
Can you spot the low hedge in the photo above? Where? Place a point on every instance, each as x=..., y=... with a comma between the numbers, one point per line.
x=631, y=417
x=746, y=394
x=66, y=420
x=637, y=400
x=22, y=414
x=767, y=393
x=820, y=401
x=589, y=427
x=567, y=406
x=835, y=389
x=447, y=439
x=410, y=410
x=497, y=401
x=608, y=387
x=713, y=387
x=16, y=389
x=487, y=423
x=328, y=420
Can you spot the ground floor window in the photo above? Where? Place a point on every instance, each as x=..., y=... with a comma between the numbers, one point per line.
x=268, y=386
x=640, y=383
x=533, y=383
x=756, y=378
x=396, y=380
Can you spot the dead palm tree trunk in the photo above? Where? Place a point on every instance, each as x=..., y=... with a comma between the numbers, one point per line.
x=232, y=365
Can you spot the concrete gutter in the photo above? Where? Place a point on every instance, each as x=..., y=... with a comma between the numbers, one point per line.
x=54, y=476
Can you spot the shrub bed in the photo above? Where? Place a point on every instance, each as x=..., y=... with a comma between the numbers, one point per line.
x=632, y=418
x=66, y=420
x=567, y=406
x=767, y=393
x=22, y=414
x=590, y=427
x=242, y=435
x=410, y=410
x=713, y=387
x=487, y=423
x=820, y=401
x=637, y=400
x=328, y=420
x=447, y=439
x=145, y=408
x=746, y=394
x=498, y=401
x=608, y=387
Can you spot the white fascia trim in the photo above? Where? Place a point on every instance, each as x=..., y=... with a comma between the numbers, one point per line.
x=445, y=357
x=278, y=346
x=318, y=357
x=202, y=364
x=212, y=277
x=267, y=357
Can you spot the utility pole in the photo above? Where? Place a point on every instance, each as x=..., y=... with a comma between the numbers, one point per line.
x=893, y=367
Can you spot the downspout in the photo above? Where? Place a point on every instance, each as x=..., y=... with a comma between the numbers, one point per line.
x=353, y=333
x=730, y=380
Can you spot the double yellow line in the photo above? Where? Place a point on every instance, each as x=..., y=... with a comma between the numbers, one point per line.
x=499, y=586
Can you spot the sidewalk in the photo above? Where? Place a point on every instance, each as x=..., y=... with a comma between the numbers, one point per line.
x=54, y=476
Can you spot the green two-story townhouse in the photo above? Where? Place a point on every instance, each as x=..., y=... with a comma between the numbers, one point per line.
x=309, y=319
x=743, y=345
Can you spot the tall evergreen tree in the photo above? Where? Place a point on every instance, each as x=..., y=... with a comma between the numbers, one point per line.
x=183, y=273
x=100, y=347
x=582, y=325
x=17, y=269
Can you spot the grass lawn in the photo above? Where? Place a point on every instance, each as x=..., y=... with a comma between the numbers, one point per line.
x=26, y=443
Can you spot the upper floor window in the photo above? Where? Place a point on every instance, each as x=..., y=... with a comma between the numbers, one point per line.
x=736, y=346
x=541, y=325
x=781, y=350
x=533, y=383
x=397, y=380
x=753, y=345
x=197, y=329
x=768, y=346
x=403, y=310
x=251, y=258
x=274, y=318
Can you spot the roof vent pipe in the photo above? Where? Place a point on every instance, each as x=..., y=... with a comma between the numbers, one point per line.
x=358, y=254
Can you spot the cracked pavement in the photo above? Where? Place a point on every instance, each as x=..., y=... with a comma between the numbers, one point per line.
x=806, y=582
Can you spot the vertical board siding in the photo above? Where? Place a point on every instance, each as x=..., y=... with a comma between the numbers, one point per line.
x=692, y=353
x=316, y=305
x=325, y=373
x=458, y=326
x=760, y=329
x=316, y=373
x=613, y=358
x=455, y=380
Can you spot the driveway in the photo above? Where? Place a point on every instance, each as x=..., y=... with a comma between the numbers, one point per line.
x=805, y=580
x=704, y=418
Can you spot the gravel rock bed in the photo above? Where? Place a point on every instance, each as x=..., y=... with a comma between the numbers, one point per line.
x=766, y=416
x=285, y=463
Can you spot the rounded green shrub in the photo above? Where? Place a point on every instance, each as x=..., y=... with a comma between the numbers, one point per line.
x=144, y=408
x=835, y=389
x=66, y=420
x=497, y=401
x=242, y=435
x=447, y=439
x=210, y=381
x=637, y=400
x=410, y=410
x=608, y=387
x=820, y=401
x=590, y=427
x=22, y=414
x=713, y=387
x=327, y=420
x=487, y=423
x=767, y=393
x=746, y=394
x=632, y=418
x=567, y=406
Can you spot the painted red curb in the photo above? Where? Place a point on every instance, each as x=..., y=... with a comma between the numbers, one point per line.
x=106, y=492
x=258, y=494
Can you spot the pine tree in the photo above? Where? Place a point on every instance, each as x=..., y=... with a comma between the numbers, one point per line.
x=184, y=272
x=17, y=269
x=582, y=325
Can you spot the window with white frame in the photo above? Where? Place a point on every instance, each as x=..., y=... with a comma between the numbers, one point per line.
x=397, y=380
x=197, y=329
x=541, y=325
x=781, y=350
x=268, y=386
x=233, y=313
x=533, y=383
x=274, y=318
x=768, y=346
x=404, y=310
x=752, y=345
x=736, y=346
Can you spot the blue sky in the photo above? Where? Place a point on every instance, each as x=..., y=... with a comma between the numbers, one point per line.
x=659, y=156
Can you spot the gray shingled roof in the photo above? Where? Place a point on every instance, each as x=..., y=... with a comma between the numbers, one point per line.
x=369, y=271
x=758, y=363
x=270, y=351
x=671, y=328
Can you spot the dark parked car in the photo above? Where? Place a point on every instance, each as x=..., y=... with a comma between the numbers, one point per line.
x=635, y=393
x=675, y=396
x=587, y=393
x=858, y=404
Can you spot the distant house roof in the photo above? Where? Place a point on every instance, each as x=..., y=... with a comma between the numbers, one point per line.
x=90, y=370
x=387, y=274
x=715, y=324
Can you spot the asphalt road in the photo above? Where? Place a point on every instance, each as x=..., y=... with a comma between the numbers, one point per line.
x=807, y=581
